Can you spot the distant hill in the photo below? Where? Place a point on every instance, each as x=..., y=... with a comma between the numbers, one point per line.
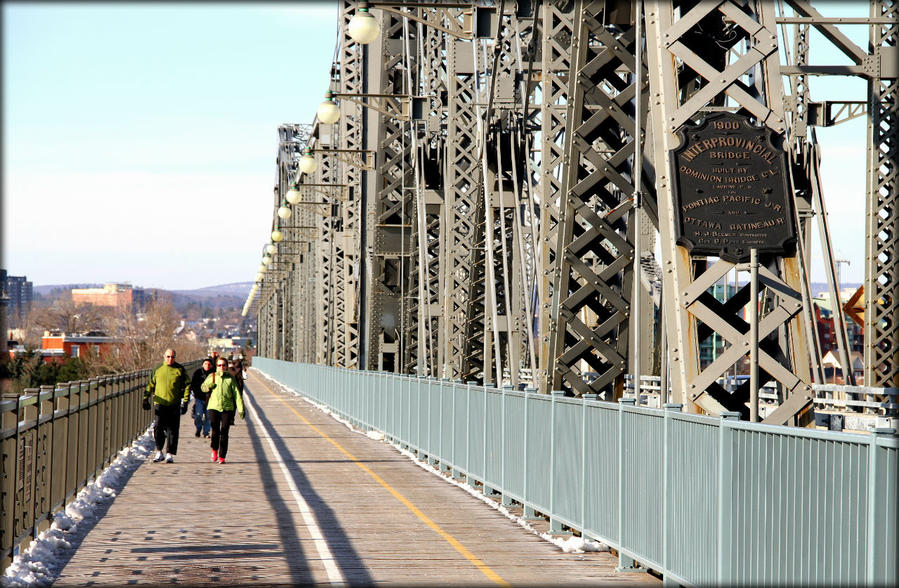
x=236, y=289
x=50, y=288
x=220, y=296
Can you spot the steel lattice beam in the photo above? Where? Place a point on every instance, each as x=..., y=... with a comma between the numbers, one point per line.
x=495, y=239
x=882, y=209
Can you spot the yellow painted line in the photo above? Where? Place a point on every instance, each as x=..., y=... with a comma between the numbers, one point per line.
x=485, y=569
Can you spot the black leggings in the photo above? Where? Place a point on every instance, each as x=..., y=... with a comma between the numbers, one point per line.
x=166, y=423
x=221, y=422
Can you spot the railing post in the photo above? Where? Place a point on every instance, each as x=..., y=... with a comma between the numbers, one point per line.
x=455, y=458
x=441, y=450
x=554, y=525
x=877, y=548
x=504, y=500
x=469, y=479
x=43, y=460
x=725, y=491
x=586, y=398
x=670, y=408
x=625, y=562
x=484, y=438
x=8, y=459
x=528, y=510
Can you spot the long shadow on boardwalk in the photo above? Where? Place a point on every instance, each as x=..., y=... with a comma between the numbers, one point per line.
x=299, y=576
x=351, y=565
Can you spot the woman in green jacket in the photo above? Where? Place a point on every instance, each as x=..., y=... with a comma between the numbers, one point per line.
x=224, y=398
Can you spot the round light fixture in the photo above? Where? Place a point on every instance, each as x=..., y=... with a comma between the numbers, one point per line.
x=266, y=259
x=277, y=236
x=363, y=27
x=258, y=277
x=307, y=162
x=270, y=249
x=293, y=195
x=328, y=112
x=284, y=212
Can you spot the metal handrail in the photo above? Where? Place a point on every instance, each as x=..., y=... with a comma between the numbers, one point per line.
x=700, y=499
x=55, y=439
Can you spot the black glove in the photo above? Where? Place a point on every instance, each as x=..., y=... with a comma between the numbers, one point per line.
x=183, y=408
x=146, y=404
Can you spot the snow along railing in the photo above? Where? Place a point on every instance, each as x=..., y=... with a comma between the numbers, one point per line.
x=55, y=439
x=764, y=505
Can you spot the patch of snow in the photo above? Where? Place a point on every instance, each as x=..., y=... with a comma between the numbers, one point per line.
x=40, y=563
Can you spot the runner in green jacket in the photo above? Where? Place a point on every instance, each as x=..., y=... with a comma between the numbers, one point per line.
x=224, y=400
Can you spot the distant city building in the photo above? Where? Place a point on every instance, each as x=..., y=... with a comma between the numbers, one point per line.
x=222, y=345
x=56, y=346
x=714, y=345
x=826, y=331
x=833, y=371
x=121, y=296
x=19, y=294
x=827, y=339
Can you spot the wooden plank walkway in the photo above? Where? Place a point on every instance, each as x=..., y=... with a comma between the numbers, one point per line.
x=338, y=508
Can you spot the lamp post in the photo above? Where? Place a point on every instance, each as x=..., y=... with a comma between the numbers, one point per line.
x=328, y=112
x=307, y=162
x=363, y=27
x=293, y=195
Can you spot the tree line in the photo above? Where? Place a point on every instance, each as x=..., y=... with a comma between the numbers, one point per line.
x=140, y=341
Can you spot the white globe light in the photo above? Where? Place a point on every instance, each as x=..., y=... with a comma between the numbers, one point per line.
x=258, y=279
x=293, y=195
x=270, y=249
x=266, y=259
x=277, y=236
x=328, y=112
x=363, y=27
x=308, y=163
x=284, y=212
x=262, y=268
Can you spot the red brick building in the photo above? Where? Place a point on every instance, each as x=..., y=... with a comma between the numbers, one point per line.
x=59, y=346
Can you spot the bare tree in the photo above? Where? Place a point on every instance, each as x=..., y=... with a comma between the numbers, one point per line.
x=142, y=339
x=67, y=316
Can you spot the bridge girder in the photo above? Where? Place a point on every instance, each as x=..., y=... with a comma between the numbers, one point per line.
x=497, y=232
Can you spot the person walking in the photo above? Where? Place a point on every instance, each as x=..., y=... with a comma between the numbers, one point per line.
x=224, y=399
x=236, y=369
x=200, y=414
x=170, y=390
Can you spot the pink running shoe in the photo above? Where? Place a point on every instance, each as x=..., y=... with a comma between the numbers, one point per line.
x=221, y=460
x=215, y=456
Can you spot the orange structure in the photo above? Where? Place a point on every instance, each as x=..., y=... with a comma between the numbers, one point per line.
x=59, y=346
x=114, y=295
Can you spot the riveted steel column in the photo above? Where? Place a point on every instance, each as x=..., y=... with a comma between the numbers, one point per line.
x=882, y=209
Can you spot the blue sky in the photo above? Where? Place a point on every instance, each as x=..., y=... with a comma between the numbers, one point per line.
x=139, y=140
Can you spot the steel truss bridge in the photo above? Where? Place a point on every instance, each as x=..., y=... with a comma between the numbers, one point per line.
x=497, y=203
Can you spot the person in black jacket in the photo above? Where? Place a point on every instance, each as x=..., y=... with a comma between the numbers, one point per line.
x=236, y=369
x=201, y=399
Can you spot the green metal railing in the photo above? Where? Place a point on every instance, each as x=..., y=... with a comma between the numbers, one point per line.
x=703, y=500
x=55, y=439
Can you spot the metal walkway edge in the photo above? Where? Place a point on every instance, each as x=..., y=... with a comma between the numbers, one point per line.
x=305, y=500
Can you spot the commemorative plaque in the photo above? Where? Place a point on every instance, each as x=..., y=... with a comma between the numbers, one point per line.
x=731, y=191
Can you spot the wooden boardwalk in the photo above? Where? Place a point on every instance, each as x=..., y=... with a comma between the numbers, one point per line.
x=305, y=500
